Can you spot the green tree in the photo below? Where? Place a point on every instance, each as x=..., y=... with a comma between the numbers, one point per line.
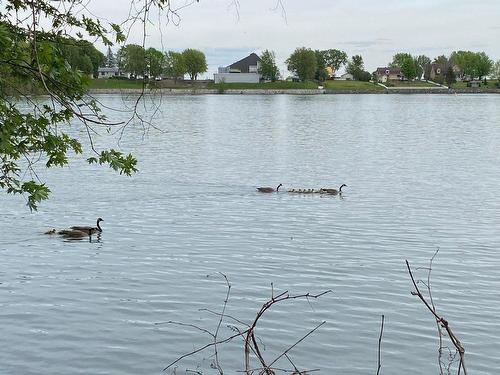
x=408, y=68
x=321, y=74
x=268, y=68
x=302, y=62
x=110, y=58
x=133, y=59
x=483, y=63
x=85, y=65
x=195, y=62
x=33, y=60
x=356, y=67
x=466, y=62
x=80, y=55
x=96, y=57
x=154, y=62
x=442, y=60
x=174, y=66
x=421, y=62
x=450, y=76
x=334, y=58
x=399, y=59
x=495, y=72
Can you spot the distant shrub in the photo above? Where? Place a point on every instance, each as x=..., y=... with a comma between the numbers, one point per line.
x=439, y=79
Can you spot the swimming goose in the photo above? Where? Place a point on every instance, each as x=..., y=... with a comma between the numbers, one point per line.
x=89, y=230
x=268, y=189
x=333, y=191
x=73, y=233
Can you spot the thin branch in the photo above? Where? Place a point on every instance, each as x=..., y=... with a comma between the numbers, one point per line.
x=379, y=345
x=455, y=341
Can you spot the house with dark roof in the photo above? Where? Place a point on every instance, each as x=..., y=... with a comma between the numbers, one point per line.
x=435, y=71
x=389, y=74
x=245, y=70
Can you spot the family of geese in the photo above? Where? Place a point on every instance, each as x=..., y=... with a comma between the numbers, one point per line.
x=77, y=232
x=330, y=191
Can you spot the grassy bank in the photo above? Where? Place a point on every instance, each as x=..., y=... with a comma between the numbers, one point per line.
x=352, y=85
x=278, y=85
x=115, y=84
x=409, y=84
x=463, y=85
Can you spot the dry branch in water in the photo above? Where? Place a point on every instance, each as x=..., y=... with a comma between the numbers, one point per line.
x=380, y=344
x=439, y=319
x=251, y=341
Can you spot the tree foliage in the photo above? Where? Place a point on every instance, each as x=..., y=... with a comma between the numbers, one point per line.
x=321, y=74
x=408, y=68
x=421, y=62
x=442, y=60
x=133, y=59
x=154, y=62
x=408, y=65
x=302, y=62
x=110, y=58
x=195, y=62
x=334, y=58
x=472, y=64
x=356, y=67
x=174, y=66
x=36, y=61
x=495, y=72
x=268, y=68
x=450, y=76
x=399, y=58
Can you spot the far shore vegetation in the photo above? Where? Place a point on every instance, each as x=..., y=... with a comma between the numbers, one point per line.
x=134, y=67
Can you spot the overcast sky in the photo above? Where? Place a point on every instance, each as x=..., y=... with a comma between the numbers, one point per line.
x=374, y=29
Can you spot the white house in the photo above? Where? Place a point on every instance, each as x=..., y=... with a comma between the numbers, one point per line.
x=108, y=72
x=346, y=77
x=243, y=71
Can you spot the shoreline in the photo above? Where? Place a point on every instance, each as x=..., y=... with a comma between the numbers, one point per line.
x=395, y=90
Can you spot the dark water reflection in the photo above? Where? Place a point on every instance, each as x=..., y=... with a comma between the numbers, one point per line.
x=422, y=174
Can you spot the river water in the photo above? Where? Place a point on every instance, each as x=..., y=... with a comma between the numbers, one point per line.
x=422, y=174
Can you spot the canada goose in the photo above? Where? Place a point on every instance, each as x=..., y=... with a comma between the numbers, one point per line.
x=52, y=231
x=268, y=189
x=73, y=233
x=90, y=230
x=333, y=191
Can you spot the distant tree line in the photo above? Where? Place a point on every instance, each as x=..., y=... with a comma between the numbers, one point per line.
x=138, y=61
x=460, y=64
x=309, y=64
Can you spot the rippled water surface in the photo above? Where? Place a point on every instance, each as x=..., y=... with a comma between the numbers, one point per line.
x=422, y=174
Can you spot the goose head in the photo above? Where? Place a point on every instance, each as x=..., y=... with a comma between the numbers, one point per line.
x=98, y=226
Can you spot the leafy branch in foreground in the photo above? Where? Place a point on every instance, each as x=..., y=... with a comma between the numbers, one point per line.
x=34, y=61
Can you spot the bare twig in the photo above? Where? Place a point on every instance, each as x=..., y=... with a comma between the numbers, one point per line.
x=380, y=344
x=444, y=323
